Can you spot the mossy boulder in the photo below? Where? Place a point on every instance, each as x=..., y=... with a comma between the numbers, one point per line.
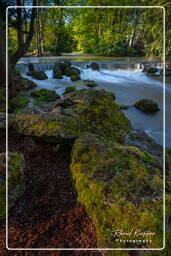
x=69, y=89
x=45, y=95
x=147, y=106
x=90, y=83
x=75, y=77
x=22, y=83
x=62, y=66
x=149, y=69
x=65, y=68
x=93, y=66
x=121, y=188
x=80, y=111
x=16, y=180
x=58, y=74
x=39, y=75
x=49, y=127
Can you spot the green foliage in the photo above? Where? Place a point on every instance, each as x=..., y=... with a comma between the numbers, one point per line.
x=109, y=31
x=18, y=103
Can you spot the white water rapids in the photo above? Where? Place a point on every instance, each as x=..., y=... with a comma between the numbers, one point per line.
x=129, y=85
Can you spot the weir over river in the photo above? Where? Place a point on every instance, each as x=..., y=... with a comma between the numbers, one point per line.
x=124, y=77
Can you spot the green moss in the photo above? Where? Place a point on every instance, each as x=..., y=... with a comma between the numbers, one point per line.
x=90, y=83
x=69, y=89
x=40, y=75
x=44, y=95
x=81, y=111
x=15, y=178
x=103, y=116
x=147, y=106
x=58, y=74
x=75, y=77
x=62, y=127
x=120, y=187
x=18, y=103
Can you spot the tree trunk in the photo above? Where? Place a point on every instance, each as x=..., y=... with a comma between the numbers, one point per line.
x=23, y=46
x=2, y=54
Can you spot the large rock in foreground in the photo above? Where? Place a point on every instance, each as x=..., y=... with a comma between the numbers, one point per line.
x=121, y=189
x=78, y=112
x=16, y=181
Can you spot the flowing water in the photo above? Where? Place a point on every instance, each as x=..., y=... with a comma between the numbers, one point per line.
x=125, y=78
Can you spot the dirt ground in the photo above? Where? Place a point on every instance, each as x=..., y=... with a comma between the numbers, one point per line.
x=48, y=214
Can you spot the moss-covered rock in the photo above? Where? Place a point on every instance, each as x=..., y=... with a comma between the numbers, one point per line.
x=39, y=75
x=80, y=111
x=58, y=74
x=147, y=106
x=90, y=83
x=149, y=69
x=16, y=181
x=22, y=83
x=45, y=95
x=121, y=189
x=69, y=89
x=65, y=68
x=93, y=66
x=48, y=127
x=75, y=77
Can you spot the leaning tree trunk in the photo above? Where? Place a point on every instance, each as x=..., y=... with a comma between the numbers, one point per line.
x=23, y=45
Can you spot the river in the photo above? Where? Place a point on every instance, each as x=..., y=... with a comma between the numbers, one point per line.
x=125, y=78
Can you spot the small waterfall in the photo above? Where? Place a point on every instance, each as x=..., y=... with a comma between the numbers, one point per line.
x=23, y=67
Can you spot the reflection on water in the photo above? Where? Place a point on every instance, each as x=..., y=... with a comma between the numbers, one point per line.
x=125, y=79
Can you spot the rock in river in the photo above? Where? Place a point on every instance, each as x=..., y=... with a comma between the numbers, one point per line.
x=23, y=83
x=147, y=106
x=93, y=66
